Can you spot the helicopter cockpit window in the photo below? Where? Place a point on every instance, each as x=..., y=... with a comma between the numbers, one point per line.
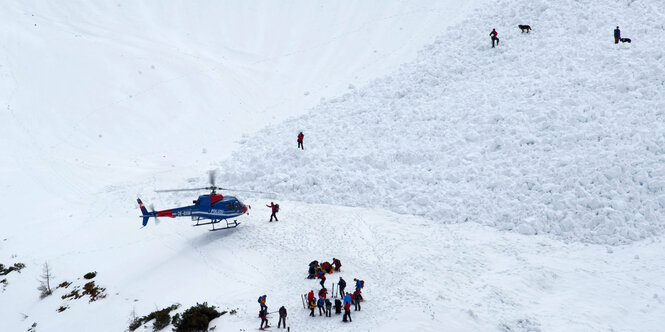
x=229, y=206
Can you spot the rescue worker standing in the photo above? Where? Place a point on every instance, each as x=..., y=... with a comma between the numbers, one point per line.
x=347, y=312
x=275, y=209
x=328, y=308
x=282, y=317
x=356, y=299
x=320, y=304
x=312, y=306
x=342, y=285
x=300, y=138
x=494, y=34
x=617, y=35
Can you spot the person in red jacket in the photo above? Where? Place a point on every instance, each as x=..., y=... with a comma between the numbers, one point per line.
x=494, y=34
x=327, y=267
x=322, y=276
x=323, y=293
x=275, y=209
x=337, y=264
x=310, y=296
x=300, y=137
x=347, y=312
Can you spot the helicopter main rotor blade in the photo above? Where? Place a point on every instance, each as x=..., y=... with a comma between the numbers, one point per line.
x=172, y=190
x=211, y=177
x=248, y=191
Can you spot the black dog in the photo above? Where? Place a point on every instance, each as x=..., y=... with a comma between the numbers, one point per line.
x=525, y=27
x=625, y=40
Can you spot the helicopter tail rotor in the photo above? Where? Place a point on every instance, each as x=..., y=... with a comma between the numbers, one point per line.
x=154, y=214
x=145, y=214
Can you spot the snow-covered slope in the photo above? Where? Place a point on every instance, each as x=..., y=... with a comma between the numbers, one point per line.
x=558, y=131
x=109, y=100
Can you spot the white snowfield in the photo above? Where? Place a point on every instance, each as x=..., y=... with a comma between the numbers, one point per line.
x=518, y=188
x=558, y=131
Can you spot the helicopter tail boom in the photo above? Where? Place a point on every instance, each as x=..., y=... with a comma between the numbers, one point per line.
x=146, y=215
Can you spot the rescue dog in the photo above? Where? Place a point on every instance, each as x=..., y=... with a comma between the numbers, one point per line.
x=524, y=27
x=625, y=40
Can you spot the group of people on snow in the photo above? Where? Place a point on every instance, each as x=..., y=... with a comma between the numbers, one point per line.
x=317, y=270
x=345, y=301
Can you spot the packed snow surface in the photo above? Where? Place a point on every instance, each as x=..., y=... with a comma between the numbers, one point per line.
x=558, y=131
x=518, y=188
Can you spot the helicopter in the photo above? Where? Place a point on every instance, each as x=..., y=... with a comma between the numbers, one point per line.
x=213, y=207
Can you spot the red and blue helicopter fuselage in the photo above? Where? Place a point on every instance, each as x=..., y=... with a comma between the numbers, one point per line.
x=214, y=207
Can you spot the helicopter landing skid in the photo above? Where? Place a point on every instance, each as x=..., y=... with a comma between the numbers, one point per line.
x=229, y=224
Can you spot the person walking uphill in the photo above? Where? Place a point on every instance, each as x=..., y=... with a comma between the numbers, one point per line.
x=282, y=317
x=617, y=35
x=494, y=34
x=300, y=138
x=275, y=209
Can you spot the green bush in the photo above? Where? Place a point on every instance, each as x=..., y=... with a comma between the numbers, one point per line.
x=90, y=275
x=162, y=319
x=195, y=318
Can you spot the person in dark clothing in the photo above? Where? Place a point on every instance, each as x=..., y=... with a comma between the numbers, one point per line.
x=313, y=266
x=617, y=35
x=282, y=317
x=300, y=138
x=275, y=209
x=328, y=308
x=321, y=303
x=342, y=285
x=347, y=312
x=356, y=299
x=264, y=314
x=312, y=306
x=338, y=306
x=494, y=34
